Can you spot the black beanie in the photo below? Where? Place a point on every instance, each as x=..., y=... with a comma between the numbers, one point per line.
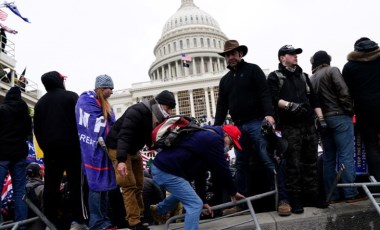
x=319, y=58
x=166, y=98
x=33, y=169
x=365, y=45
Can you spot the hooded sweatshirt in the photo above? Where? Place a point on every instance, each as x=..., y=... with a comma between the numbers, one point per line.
x=54, y=114
x=362, y=76
x=194, y=155
x=15, y=126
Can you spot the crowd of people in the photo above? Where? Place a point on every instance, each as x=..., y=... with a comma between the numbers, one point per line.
x=277, y=123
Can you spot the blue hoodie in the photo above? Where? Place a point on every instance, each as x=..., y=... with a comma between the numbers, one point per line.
x=194, y=155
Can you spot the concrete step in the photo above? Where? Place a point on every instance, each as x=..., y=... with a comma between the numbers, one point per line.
x=342, y=216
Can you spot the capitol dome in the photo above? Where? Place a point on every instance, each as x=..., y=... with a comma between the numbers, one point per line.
x=186, y=63
x=190, y=34
x=189, y=15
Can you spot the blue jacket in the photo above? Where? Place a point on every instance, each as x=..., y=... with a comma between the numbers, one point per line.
x=194, y=155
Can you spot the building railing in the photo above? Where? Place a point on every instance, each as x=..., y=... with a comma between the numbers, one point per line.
x=28, y=86
x=7, y=46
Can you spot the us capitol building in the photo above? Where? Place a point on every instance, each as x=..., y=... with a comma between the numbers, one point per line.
x=189, y=33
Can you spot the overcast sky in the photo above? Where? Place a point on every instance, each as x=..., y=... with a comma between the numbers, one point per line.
x=86, y=38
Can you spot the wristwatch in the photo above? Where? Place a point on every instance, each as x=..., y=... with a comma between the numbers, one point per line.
x=287, y=105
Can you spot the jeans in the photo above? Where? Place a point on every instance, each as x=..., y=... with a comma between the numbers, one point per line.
x=98, y=207
x=251, y=136
x=17, y=171
x=338, y=146
x=180, y=190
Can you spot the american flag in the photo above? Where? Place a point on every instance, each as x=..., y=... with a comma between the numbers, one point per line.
x=7, y=197
x=148, y=157
x=185, y=57
x=3, y=15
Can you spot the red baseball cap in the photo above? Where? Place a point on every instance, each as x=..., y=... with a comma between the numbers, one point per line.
x=234, y=133
x=62, y=76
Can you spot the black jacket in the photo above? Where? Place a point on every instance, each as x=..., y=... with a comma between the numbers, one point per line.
x=362, y=76
x=293, y=89
x=54, y=116
x=244, y=93
x=332, y=91
x=15, y=126
x=133, y=130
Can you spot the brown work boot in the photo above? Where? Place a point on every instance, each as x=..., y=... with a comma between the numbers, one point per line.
x=232, y=210
x=283, y=208
x=356, y=198
x=157, y=217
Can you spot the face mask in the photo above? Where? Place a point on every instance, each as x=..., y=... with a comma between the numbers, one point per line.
x=226, y=149
x=164, y=113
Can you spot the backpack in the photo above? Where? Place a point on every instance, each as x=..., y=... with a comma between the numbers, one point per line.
x=281, y=79
x=31, y=194
x=172, y=130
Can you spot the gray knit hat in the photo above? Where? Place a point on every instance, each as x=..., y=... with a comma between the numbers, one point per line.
x=103, y=81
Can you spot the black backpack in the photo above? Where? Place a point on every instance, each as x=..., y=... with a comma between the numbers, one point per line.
x=32, y=196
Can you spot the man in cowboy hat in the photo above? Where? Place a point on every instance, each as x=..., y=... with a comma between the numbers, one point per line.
x=243, y=92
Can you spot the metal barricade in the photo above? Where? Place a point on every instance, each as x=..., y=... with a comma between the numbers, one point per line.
x=371, y=196
x=247, y=200
x=40, y=216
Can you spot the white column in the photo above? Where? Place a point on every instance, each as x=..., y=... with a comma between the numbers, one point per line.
x=202, y=66
x=170, y=71
x=213, y=107
x=194, y=67
x=210, y=67
x=192, y=110
x=176, y=102
x=207, y=104
x=162, y=73
x=218, y=63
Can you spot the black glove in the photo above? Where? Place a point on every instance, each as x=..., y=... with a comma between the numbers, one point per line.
x=321, y=123
x=266, y=127
x=297, y=109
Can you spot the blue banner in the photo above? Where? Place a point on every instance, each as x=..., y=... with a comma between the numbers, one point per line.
x=91, y=125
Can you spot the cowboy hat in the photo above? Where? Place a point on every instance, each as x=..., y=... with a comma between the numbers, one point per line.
x=233, y=45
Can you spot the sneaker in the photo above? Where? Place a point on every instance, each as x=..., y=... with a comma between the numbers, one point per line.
x=156, y=217
x=140, y=226
x=76, y=226
x=356, y=198
x=284, y=208
x=232, y=210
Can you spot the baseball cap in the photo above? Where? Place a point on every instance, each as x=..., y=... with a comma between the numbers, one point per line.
x=288, y=49
x=234, y=133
